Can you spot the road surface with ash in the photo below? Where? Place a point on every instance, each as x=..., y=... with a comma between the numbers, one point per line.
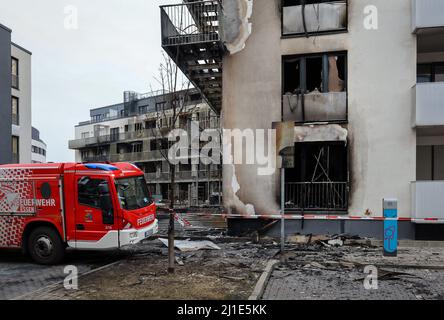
x=20, y=276
x=318, y=272
x=229, y=273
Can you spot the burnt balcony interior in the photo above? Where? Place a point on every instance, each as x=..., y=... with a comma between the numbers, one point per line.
x=315, y=88
x=318, y=182
x=310, y=17
x=191, y=36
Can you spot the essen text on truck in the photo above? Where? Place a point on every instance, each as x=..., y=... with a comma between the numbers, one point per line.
x=45, y=208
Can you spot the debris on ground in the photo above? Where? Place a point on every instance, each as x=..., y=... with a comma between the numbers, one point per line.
x=189, y=245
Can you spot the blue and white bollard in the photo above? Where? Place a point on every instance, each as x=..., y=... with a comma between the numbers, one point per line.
x=390, y=211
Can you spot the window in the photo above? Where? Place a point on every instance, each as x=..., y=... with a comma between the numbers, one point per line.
x=133, y=193
x=430, y=163
x=114, y=134
x=314, y=87
x=307, y=17
x=138, y=127
x=143, y=109
x=15, y=149
x=85, y=135
x=137, y=147
x=95, y=193
x=15, y=111
x=15, y=73
x=430, y=72
x=151, y=124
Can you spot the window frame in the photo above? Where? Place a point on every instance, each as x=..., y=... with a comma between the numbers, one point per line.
x=17, y=87
x=18, y=110
x=311, y=55
x=315, y=33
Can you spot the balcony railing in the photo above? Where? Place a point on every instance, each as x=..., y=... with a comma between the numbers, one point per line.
x=191, y=22
x=96, y=158
x=428, y=200
x=314, y=18
x=427, y=14
x=428, y=104
x=316, y=196
x=312, y=107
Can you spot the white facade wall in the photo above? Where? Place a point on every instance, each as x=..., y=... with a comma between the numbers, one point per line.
x=381, y=74
x=24, y=94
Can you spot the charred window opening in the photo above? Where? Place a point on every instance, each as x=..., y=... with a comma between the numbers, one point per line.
x=308, y=17
x=315, y=88
x=319, y=179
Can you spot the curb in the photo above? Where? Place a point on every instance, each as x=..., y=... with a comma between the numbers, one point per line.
x=401, y=243
x=263, y=280
x=56, y=284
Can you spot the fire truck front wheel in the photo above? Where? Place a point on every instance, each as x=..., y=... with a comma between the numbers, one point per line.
x=45, y=246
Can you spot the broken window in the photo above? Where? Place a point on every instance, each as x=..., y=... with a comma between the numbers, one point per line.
x=315, y=88
x=319, y=178
x=306, y=17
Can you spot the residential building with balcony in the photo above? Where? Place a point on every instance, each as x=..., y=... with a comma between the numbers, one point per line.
x=15, y=100
x=354, y=89
x=38, y=147
x=136, y=131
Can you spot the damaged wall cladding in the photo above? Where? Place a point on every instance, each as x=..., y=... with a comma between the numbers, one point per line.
x=236, y=25
x=310, y=16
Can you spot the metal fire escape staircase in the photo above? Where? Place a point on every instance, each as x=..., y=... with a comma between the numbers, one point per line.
x=192, y=36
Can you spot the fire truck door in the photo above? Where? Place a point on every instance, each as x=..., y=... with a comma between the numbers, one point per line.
x=96, y=226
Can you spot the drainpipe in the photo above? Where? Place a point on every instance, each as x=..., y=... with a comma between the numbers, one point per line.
x=304, y=22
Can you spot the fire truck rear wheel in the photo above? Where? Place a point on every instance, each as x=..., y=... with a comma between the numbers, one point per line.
x=45, y=246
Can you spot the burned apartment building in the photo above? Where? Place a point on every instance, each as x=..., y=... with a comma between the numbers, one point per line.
x=137, y=130
x=354, y=90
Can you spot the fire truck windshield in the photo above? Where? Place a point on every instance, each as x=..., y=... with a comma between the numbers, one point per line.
x=133, y=193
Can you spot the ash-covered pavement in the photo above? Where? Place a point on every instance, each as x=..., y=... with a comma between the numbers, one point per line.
x=20, y=276
x=316, y=272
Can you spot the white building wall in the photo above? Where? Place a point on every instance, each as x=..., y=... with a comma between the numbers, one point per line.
x=24, y=130
x=381, y=73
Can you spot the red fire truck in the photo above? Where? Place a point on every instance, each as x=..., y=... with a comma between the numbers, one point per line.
x=45, y=208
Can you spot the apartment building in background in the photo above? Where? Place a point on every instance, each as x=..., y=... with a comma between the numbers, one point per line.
x=355, y=91
x=136, y=131
x=15, y=100
x=38, y=147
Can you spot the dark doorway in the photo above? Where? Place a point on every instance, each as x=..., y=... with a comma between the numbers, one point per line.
x=319, y=179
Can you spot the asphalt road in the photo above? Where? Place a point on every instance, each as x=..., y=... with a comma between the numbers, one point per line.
x=20, y=276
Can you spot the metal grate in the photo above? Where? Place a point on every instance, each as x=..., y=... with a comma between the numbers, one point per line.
x=317, y=196
x=191, y=22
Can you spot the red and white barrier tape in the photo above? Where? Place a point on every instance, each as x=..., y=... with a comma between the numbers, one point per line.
x=305, y=217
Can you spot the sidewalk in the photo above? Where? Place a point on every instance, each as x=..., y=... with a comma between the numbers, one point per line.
x=310, y=273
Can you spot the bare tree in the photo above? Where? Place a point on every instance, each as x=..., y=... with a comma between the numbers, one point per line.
x=175, y=106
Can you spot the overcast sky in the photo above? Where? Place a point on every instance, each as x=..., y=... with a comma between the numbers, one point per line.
x=115, y=48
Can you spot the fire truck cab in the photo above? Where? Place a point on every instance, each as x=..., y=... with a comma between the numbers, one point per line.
x=46, y=208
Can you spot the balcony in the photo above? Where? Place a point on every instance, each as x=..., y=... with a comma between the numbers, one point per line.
x=139, y=156
x=428, y=104
x=427, y=201
x=192, y=36
x=315, y=107
x=105, y=139
x=313, y=18
x=427, y=14
x=96, y=158
x=317, y=196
